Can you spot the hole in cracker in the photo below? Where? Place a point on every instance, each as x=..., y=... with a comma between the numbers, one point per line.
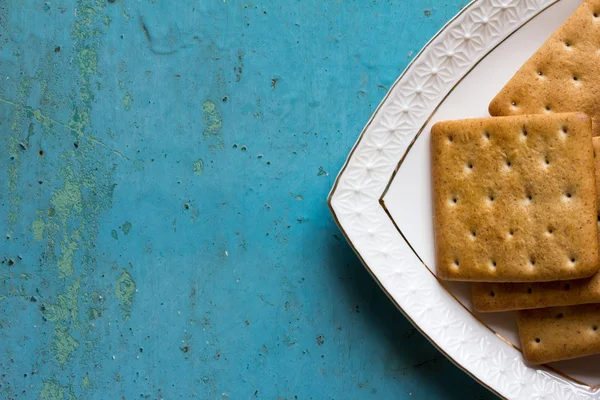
x=568, y=195
x=564, y=130
x=548, y=109
x=513, y=103
x=486, y=135
x=492, y=293
x=470, y=165
x=547, y=160
x=598, y=218
x=524, y=132
x=450, y=138
x=511, y=232
x=493, y=264
x=491, y=198
x=595, y=15
x=550, y=230
x=456, y=263
x=560, y=315
x=540, y=73
x=572, y=260
x=595, y=327
x=473, y=234
x=537, y=340
x=454, y=200
x=567, y=286
x=532, y=262
x=575, y=78
x=508, y=163
x=568, y=44
x=529, y=290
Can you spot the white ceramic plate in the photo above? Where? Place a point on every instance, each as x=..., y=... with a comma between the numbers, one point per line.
x=382, y=197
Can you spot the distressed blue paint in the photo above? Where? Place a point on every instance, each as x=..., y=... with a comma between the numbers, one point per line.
x=240, y=283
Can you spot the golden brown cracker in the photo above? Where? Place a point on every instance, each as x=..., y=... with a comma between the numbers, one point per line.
x=559, y=333
x=562, y=75
x=492, y=297
x=514, y=198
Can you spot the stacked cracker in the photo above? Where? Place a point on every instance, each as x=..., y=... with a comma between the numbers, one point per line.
x=516, y=206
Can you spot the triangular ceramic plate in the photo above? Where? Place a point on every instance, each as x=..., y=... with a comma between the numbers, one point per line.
x=382, y=197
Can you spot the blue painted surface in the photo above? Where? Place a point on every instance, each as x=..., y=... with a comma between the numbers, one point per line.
x=163, y=182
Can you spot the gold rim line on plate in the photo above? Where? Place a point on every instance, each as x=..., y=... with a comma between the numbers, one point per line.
x=361, y=136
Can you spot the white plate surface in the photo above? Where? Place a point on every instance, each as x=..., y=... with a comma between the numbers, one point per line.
x=382, y=196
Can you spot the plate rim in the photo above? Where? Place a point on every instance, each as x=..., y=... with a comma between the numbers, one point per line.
x=542, y=5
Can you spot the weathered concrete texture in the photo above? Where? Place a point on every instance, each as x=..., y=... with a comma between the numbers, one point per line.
x=164, y=167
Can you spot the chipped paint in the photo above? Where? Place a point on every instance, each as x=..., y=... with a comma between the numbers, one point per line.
x=124, y=292
x=126, y=227
x=66, y=308
x=52, y=390
x=127, y=101
x=86, y=382
x=67, y=253
x=63, y=344
x=212, y=119
x=198, y=166
x=38, y=226
x=67, y=201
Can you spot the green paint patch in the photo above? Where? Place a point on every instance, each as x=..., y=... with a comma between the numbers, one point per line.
x=212, y=118
x=52, y=390
x=126, y=227
x=68, y=247
x=88, y=13
x=67, y=201
x=114, y=234
x=80, y=118
x=127, y=101
x=86, y=383
x=124, y=292
x=94, y=313
x=87, y=61
x=198, y=166
x=38, y=226
x=64, y=344
x=66, y=308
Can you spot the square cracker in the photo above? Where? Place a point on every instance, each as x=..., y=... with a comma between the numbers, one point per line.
x=562, y=75
x=559, y=333
x=514, y=198
x=490, y=297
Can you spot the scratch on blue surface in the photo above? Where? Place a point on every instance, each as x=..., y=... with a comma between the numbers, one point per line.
x=162, y=191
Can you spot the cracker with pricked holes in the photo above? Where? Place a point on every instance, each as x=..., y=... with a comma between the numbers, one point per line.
x=562, y=75
x=514, y=198
x=559, y=333
x=492, y=297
